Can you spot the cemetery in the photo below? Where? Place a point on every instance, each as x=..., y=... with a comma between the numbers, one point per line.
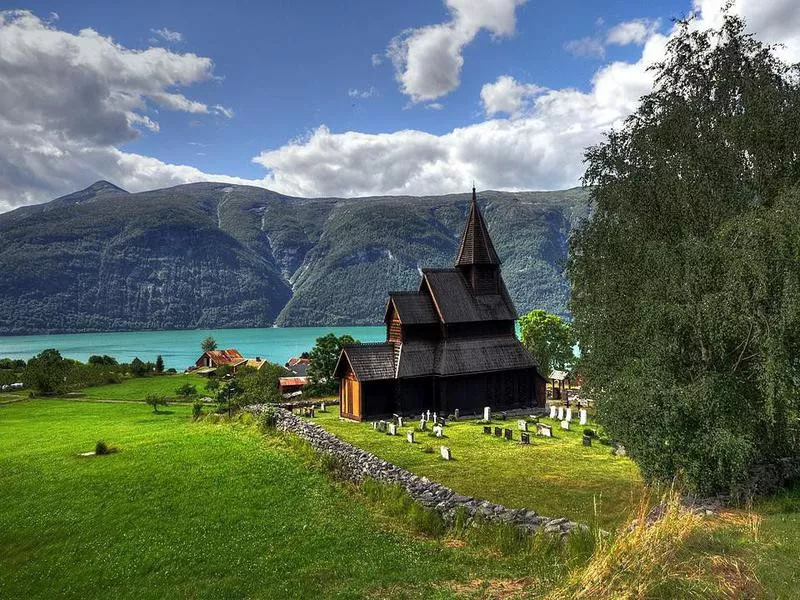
x=521, y=461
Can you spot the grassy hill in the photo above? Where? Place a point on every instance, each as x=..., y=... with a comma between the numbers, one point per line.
x=216, y=255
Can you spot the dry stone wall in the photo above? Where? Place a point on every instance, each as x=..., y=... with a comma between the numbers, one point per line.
x=359, y=464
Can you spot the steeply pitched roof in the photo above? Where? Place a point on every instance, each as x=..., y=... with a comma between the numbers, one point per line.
x=456, y=304
x=414, y=308
x=476, y=246
x=368, y=361
x=224, y=357
x=462, y=356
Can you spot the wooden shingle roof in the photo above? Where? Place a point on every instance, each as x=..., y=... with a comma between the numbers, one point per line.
x=369, y=361
x=476, y=246
x=457, y=304
x=414, y=308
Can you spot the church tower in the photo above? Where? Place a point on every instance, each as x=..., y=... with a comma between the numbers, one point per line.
x=477, y=259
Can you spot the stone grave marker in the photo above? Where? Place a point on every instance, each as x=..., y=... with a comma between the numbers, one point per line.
x=487, y=413
x=552, y=411
x=428, y=415
x=456, y=414
x=560, y=413
x=545, y=430
x=392, y=429
x=487, y=429
x=524, y=438
x=374, y=424
x=508, y=434
x=410, y=437
x=569, y=415
x=522, y=425
x=498, y=432
x=399, y=421
x=322, y=407
x=423, y=424
x=584, y=416
x=587, y=440
x=445, y=452
x=565, y=425
x=437, y=431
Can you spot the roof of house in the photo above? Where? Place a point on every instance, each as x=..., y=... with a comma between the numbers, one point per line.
x=457, y=304
x=224, y=357
x=292, y=381
x=413, y=308
x=368, y=361
x=297, y=360
x=559, y=375
x=476, y=246
x=255, y=363
x=300, y=369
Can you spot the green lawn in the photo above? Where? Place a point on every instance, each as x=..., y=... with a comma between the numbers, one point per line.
x=195, y=510
x=136, y=388
x=557, y=477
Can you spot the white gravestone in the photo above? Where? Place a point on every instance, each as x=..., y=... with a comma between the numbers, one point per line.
x=435, y=418
x=322, y=407
x=565, y=425
x=487, y=413
x=545, y=430
x=399, y=421
x=410, y=437
x=392, y=429
x=560, y=414
x=522, y=424
x=422, y=425
x=374, y=424
x=569, y=415
x=445, y=452
x=584, y=416
x=437, y=431
x=428, y=416
x=552, y=411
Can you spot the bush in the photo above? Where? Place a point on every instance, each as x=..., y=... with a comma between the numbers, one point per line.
x=187, y=390
x=197, y=410
x=589, y=433
x=268, y=418
x=155, y=401
x=101, y=448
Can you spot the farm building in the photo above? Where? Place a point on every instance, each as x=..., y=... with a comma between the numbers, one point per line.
x=450, y=344
x=211, y=359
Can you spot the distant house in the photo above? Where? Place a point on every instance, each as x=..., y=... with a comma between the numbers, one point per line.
x=558, y=380
x=210, y=360
x=291, y=385
x=298, y=365
x=449, y=345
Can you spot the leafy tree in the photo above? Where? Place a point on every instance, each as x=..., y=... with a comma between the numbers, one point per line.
x=138, y=368
x=258, y=387
x=159, y=364
x=102, y=361
x=208, y=344
x=549, y=339
x=186, y=391
x=155, y=400
x=212, y=385
x=685, y=282
x=323, y=357
x=227, y=393
x=46, y=373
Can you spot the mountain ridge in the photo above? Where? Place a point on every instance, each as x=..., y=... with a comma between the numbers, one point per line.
x=221, y=255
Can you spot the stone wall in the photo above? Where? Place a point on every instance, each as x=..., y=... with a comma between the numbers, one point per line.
x=360, y=464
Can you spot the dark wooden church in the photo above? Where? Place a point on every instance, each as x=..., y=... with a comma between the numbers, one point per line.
x=449, y=345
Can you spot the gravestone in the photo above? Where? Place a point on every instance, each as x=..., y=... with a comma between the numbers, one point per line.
x=565, y=425
x=428, y=415
x=392, y=429
x=456, y=414
x=311, y=412
x=382, y=426
x=374, y=424
x=552, y=411
x=569, y=415
x=399, y=421
x=522, y=424
x=487, y=429
x=322, y=407
x=423, y=424
x=544, y=430
x=498, y=432
x=509, y=434
x=441, y=422
x=437, y=431
x=445, y=452
x=410, y=437
x=560, y=413
x=584, y=416
x=487, y=413
x=587, y=440
x=524, y=438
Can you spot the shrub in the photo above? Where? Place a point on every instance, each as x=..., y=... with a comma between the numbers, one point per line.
x=268, y=418
x=155, y=401
x=187, y=390
x=101, y=448
x=197, y=410
x=589, y=433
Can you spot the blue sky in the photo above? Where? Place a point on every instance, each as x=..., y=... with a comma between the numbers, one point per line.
x=291, y=79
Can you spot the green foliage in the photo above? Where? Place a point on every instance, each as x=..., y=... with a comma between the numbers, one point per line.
x=208, y=344
x=101, y=448
x=186, y=391
x=685, y=283
x=260, y=386
x=268, y=418
x=197, y=410
x=46, y=372
x=104, y=360
x=138, y=368
x=159, y=364
x=323, y=359
x=549, y=339
x=155, y=400
x=212, y=385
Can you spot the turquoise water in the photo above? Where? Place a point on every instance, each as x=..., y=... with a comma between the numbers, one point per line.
x=181, y=348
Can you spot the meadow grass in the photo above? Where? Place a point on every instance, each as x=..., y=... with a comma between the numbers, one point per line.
x=198, y=510
x=137, y=388
x=557, y=477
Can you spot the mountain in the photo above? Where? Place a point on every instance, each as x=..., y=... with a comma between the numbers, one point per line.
x=219, y=255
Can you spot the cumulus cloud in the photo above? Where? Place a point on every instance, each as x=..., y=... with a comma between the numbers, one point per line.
x=586, y=47
x=168, y=36
x=507, y=95
x=428, y=60
x=632, y=32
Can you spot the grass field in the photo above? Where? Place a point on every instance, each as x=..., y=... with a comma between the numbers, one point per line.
x=194, y=510
x=557, y=477
x=136, y=388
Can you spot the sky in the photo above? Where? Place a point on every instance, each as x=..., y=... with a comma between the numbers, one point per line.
x=321, y=98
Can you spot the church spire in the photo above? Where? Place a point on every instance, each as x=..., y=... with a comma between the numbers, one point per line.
x=476, y=246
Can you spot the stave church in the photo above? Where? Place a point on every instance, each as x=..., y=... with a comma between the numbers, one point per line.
x=449, y=345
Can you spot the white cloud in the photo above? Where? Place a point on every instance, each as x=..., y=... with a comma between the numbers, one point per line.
x=507, y=95
x=165, y=34
x=377, y=60
x=632, y=32
x=434, y=106
x=428, y=60
x=586, y=47
x=362, y=94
